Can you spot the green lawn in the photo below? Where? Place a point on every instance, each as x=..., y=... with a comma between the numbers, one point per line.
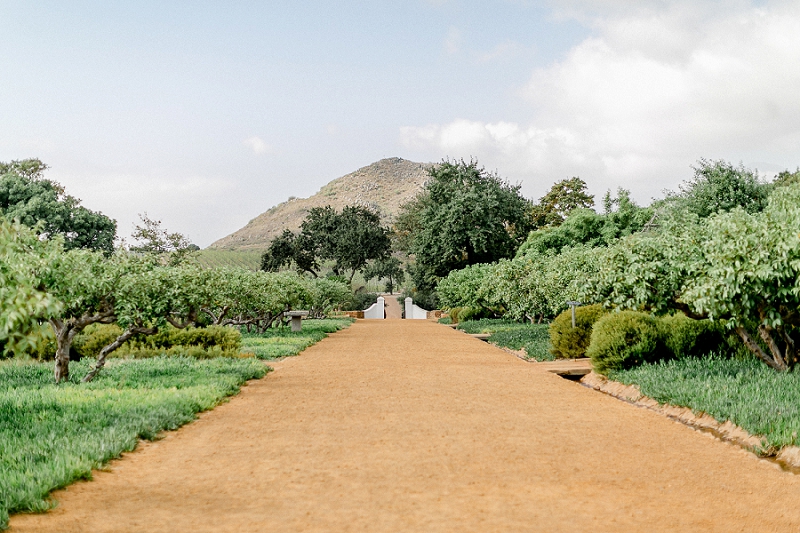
x=534, y=338
x=52, y=435
x=281, y=342
x=745, y=391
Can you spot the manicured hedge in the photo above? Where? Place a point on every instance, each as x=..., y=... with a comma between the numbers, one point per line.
x=571, y=343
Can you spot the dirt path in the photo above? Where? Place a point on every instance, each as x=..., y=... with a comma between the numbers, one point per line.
x=393, y=309
x=411, y=426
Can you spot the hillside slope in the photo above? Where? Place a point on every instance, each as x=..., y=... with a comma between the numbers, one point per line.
x=384, y=186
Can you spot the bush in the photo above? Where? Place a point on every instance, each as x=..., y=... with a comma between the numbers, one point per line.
x=212, y=341
x=361, y=301
x=625, y=339
x=684, y=336
x=571, y=343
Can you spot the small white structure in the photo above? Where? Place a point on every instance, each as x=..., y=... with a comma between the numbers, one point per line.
x=415, y=312
x=376, y=310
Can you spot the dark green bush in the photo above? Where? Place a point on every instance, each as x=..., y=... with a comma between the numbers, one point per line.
x=360, y=301
x=625, y=339
x=571, y=343
x=684, y=336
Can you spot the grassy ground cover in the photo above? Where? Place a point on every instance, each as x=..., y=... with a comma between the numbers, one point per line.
x=743, y=390
x=52, y=435
x=281, y=342
x=534, y=338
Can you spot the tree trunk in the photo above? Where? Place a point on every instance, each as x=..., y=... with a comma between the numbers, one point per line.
x=766, y=333
x=62, y=331
x=119, y=341
x=753, y=346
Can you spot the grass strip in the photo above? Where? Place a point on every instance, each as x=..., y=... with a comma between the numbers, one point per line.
x=534, y=338
x=52, y=435
x=282, y=342
x=745, y=391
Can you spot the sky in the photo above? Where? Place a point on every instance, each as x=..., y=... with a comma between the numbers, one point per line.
x=205, y=114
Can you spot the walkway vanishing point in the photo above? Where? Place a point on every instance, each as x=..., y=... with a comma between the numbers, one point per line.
x=410, y=426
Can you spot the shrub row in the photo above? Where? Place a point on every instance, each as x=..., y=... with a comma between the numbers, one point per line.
x=205, y=342
x=621, y=340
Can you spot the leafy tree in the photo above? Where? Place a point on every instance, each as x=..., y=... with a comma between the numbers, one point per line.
x=327, y=294
x=786, y=178
x=718, y=186
x=350, y=239
x=24, y=260
x=649, y=271
x=585, y=227
x=390, y=269
x=562, y=199
x=750, y=277
x=240, y=297
x=25, y=195
x=463, y=216
x=151, y=238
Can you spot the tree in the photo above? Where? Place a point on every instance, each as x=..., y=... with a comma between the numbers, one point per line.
x=562, y=199
x=25, y=195
x=750, y=275
x=390, y=269
x=24, y=261
x=173, y=248
x=718, y=186
x=350, y=239
x=463, y=216
x=585, y=227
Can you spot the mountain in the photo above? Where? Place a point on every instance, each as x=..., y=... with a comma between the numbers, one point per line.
x=383, y=186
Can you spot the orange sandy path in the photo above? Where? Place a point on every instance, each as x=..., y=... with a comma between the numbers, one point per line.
x=411, y=426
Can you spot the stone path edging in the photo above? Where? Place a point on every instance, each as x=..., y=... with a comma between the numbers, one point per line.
x=787, y=457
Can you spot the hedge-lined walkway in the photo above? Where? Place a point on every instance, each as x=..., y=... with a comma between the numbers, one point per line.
x=411, y=426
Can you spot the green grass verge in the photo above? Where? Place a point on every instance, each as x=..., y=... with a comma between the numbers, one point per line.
x=281, y=342
x=52, y=435
x=534, y=338
x=745, y=391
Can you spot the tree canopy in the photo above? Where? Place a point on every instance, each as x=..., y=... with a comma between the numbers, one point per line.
x=35, y=201
x=562, y=199
x=463, y=216
x=351, y=239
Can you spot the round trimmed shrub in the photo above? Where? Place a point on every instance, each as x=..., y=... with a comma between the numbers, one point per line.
x=571, y=343
x=624, y=340
x=684, y=336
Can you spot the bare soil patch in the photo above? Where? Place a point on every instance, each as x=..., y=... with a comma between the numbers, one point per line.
x=410, y=426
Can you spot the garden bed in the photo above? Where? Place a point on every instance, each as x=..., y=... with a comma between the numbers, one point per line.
x=738, y=400
x=52, y=435
x=531, y=341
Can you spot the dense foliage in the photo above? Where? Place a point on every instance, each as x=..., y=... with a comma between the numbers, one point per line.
x=464, y=216
x=351, y=239
x=26, y=196
x=138, y=292
x=569, y=342
x=725, y=247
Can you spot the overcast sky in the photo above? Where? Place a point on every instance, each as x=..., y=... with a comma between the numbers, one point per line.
x=205, y=114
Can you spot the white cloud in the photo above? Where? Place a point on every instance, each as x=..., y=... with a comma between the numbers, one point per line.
x=644, y=97
x=257, y=145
